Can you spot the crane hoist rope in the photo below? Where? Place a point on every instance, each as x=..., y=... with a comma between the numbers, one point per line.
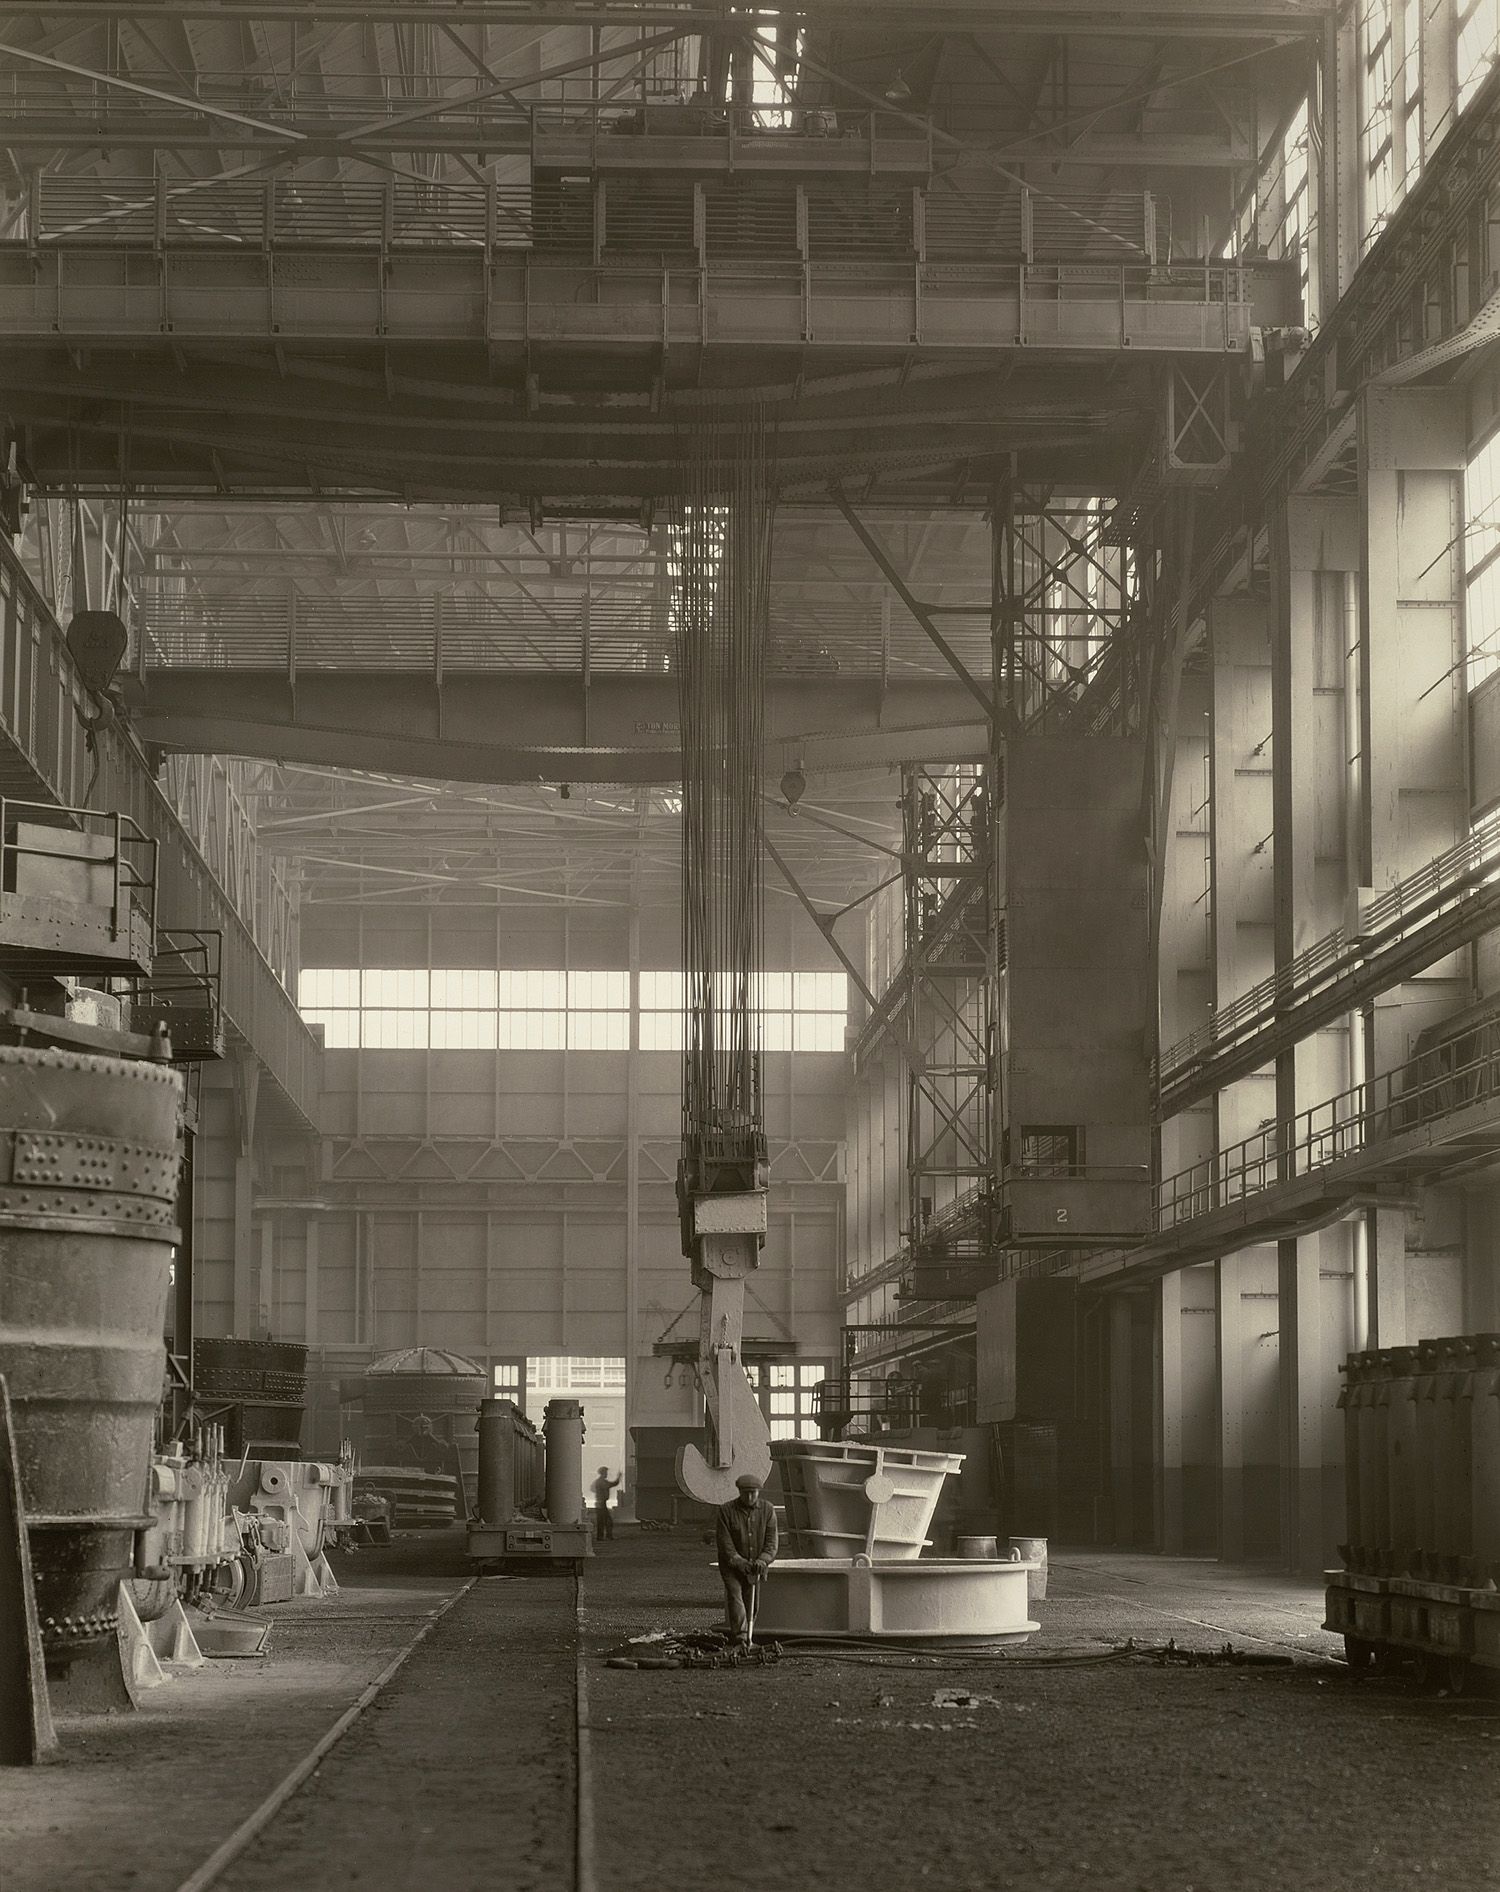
x=720, y=568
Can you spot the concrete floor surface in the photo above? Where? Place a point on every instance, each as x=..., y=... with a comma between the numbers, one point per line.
x=844, y=1774
x=1129, y=1776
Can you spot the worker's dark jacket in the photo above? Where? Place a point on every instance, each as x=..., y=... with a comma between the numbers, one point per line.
x=745, y=1537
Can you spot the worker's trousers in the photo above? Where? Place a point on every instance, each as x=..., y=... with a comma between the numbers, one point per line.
x=737, y=1590
x=604, y=1524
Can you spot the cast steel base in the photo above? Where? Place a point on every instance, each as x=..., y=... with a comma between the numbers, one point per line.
x=950, y=1601
x=530, y=1541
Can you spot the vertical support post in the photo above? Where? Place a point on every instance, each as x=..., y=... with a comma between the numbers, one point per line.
x=1243, y=952
x=1314, y=547
x=246, y=1082
x=1170, y=1536
x=26, y=1731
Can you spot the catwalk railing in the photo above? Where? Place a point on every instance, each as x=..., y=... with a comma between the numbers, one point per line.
x=626, y=633
x=1455, y=1076
x=44, y=754
x=1452, y=899
x=1437, y=1114
x=960, y=217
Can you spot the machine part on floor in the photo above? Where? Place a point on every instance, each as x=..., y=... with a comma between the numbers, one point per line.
x=835, y=1507
x=419, y=1407
x=562, y=1427
x=228, y=1638
x=191, y=1534
x=515, y=1539
x=415, y=1500
x=720, y=605
x=26, y=1731
x=512, y=1462
x=1442, y=1630
x=147, y=1647
x=938, y=1602
x=1422, y=1492
x=857, y=1518
x=370, y=1523
x=256, y=1390
x=1032, y=1550
x=287, y=1514
x=90, y=1153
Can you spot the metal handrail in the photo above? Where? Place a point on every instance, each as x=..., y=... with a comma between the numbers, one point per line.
x=1060, y=230
x=1454, y=1074
x=1417, y=897
x=132, y=859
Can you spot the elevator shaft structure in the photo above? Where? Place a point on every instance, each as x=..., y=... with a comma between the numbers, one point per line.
x=721, y=549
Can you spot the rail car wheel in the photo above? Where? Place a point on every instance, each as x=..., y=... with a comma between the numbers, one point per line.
x=1360, y=1654
x=1454, y=1674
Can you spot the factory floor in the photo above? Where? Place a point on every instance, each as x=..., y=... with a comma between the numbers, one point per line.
x=484, y=1764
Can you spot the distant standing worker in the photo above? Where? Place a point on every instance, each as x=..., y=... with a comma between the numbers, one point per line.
x=604, y=1524
x=747, y=1539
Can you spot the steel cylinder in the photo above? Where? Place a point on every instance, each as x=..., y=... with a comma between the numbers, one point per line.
x=1455, y=1429
x=563, y=1426
x=1484, y=1464
x=1351, y=1395
x=1373, y=1544
x=510, y=1450
x=1399, y=1393
x=1430, y=1492
x=90, y=1152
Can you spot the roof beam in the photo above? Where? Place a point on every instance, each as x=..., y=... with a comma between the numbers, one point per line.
x=196, y=106
x=1197, y=19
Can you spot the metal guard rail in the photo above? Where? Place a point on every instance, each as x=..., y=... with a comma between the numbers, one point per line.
x=1453, y=1075
x=734, y=215
x=131, y=859
x=1418, y=897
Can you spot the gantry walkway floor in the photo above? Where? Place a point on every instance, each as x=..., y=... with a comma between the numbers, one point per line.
x=506, y=1755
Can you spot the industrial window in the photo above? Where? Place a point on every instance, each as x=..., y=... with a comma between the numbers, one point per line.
x=1482, y=561
x=474, y=1009
x=575, y=1373
x=1478, y=45
x=544, y=1009
x=785, y=1391
x=1377, y=27
x=800, y=1011
x=1048, y=1149
x=462, y=1015
x=330, y=997
x=1296, y=214
x=508, y=1379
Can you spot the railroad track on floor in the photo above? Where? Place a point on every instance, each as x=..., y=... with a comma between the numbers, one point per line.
x=584, y=1876
x=255, y=1822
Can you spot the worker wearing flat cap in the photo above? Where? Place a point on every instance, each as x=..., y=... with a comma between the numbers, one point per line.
x=747, y=1540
